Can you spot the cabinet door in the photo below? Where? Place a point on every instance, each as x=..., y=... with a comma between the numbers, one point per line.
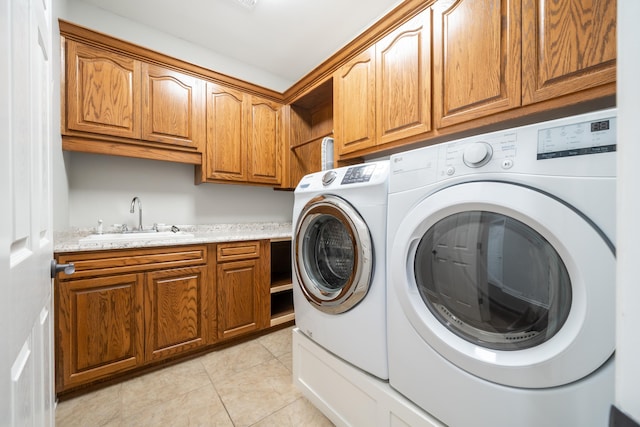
x=568, y=46
x=226, y=134
x=403, y=80
x=173, y=107
x=102, y=92
x=175, y=311
x=476, y=59
x=264, y=145
x=354, y=104
x=100, y=327
x=241, y=303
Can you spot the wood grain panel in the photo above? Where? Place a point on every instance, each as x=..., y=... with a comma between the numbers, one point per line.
x=103, y=92
x=238, y=297
x=175, y=307
x=403, y=80
x=309, y=123
x=90, y=264
x=226, y=134
x=173, y=109
x=354, y=103
x=303, y=160
x=238, y=250
x=100, y=329
x=265, y=141
x=476, y=59
x=568, y=46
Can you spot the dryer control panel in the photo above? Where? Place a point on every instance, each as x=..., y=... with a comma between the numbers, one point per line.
x=576, y=139
x=560, y=147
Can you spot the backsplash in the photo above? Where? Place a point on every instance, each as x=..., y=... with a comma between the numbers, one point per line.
x=102, y=187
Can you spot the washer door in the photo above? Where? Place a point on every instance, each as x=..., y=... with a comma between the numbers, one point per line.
x=507, y=283
x=333, y=254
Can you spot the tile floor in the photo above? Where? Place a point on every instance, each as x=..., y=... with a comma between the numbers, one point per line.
x=245, y=385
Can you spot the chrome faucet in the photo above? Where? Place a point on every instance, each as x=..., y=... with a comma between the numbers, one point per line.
x=133, y=206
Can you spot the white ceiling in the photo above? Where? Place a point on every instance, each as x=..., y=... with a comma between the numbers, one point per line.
x=287, y=38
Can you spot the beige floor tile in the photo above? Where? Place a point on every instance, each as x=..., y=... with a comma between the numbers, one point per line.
x=163, y=385
x=257, y=392
x=287, y=360
x=229, y=361
x=200, y=407
x=279, y=342
x=296, y=414
x=99, y=408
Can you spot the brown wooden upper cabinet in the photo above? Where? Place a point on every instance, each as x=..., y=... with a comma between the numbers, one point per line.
x=497, y=55
x=103, y=92
x=118, y=105
x=264, y=141
x=476, y=59
x=226, y=133
x=243, y=137
x=384, y=93
x=172, y=108
x=568, y=46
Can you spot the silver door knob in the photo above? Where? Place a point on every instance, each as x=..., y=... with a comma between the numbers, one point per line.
x=57, y=268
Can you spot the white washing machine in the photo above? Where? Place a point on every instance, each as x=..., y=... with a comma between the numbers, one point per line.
x=501, y=275
x=339, y=263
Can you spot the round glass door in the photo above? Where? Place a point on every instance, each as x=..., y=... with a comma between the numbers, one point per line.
x=492, y=280
x=506, y=283
x=333, y=254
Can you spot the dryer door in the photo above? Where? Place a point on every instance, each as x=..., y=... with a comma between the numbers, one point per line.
x=333, y=254
x=507, y=283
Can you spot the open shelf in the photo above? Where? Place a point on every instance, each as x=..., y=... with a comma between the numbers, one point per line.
x=281, y=282
x=282, y=307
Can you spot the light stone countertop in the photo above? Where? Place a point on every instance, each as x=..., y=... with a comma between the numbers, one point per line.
x=70, y=240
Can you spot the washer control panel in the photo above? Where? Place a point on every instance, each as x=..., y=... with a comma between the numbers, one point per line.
x=357, y=174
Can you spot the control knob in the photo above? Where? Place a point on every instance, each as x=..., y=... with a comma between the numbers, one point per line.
x=477, y=154
x=328, y=178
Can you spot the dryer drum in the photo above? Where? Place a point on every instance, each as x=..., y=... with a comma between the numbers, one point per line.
x=493, y=280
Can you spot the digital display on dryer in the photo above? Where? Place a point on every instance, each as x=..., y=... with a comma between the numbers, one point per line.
x=577, y=139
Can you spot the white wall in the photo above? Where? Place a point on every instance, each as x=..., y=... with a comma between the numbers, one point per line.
x=100, y=20
x=91, y=187
x=102, y=187
x=628, y=232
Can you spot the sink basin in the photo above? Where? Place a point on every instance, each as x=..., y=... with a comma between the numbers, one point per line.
x=93, y=239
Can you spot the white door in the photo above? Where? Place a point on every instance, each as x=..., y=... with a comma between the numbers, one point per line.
x=26, y=350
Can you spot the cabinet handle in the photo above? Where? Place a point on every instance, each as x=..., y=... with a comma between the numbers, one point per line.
x=57, y=268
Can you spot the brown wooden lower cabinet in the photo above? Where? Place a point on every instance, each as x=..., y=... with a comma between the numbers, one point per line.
x=125, y=310
x=243, y=287
x=100, y=328
x=175, y=311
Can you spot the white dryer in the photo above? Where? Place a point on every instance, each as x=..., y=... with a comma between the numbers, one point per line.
x=501, y=275
x=339, y=262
